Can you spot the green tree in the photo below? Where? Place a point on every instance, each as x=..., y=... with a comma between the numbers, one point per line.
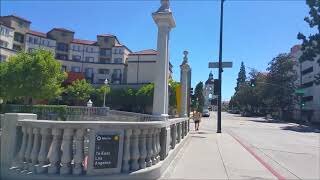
x=172, y=93
x=311, y=45
x=280, y=85
x=98, y=95
x=241, y=77
x=198, y=98
x=78, y=93
x=35, y=75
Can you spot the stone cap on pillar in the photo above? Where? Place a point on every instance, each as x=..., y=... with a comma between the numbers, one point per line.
x=164, y=15
x=185, y=66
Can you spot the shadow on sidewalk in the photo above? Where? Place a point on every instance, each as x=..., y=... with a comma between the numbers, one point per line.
x=269, y=121
x=301, y=128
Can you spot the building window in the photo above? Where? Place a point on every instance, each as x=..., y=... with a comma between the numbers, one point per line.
x=31, y=40
x=105, y=52
x=16, y=47
x=105, y=60
x=103, y=71
x=76, y=58
x=61, y=57
x=2, y=58
x=18, y=37
x=35, y=40
x=4, y=44
x=89, y=59
x=63, y=68
x=62, y=47
x=106, y=40
x=88, y=72
x=89, y=49
x=307, y=71
x=75, y=69
x=76, y=48
x=117, y=60
x=4, y=31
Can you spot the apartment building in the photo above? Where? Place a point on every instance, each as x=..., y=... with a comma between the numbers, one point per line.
x=306, y=72
x=97, y=60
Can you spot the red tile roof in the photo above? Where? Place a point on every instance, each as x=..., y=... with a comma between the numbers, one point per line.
x=37, y=33
x=145, y=52
x=81, y=41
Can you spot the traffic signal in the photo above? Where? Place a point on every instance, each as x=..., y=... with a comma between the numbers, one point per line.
x=191, y=91
x=215, y=87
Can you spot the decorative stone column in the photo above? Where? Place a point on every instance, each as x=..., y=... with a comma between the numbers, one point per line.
x=165, y=22
x=185, y=70
x=10, y=142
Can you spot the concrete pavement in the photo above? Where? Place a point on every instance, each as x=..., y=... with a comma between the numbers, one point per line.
x=248, y=148
x=215, y=156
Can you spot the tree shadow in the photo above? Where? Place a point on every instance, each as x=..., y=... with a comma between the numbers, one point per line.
x=301, y=128
x=196, y=136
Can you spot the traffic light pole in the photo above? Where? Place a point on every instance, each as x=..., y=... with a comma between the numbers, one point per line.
x=220, y=70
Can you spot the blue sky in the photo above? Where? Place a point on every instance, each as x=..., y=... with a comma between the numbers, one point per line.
x=254, y=31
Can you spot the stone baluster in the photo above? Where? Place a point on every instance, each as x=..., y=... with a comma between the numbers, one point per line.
x=27, y=154
x=79, y=152
x=55, y=152
x=45, y=142
x=149, y=148
x=158, y=130
x=35, y=150
x=154, y=147
x=66, y=148
x=143, y=148
x=126, y=151
x=135, y=154
x=182, y=129
x=173, y=136
x=23, y=146
x=178, y=132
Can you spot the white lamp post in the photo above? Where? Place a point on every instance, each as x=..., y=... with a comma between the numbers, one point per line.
x=105, y=93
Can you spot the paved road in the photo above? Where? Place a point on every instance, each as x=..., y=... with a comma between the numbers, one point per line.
x=248, y=148
x=292, y=150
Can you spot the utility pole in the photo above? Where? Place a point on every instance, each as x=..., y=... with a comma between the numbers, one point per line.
x=220, y=70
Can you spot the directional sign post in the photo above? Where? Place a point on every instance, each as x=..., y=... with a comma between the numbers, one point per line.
x=216, y=64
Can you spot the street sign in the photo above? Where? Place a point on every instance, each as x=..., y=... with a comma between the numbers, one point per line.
x=216, y=64
x=299, y=91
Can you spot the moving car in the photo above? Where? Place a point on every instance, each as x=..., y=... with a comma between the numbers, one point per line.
x=205, y=113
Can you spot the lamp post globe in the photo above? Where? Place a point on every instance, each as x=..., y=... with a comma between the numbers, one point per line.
x=105, y=93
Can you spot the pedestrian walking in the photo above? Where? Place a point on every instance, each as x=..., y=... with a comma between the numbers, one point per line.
x=196, y=119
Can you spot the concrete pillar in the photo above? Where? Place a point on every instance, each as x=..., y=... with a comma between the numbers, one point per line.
x=9, y=139
x=185, y=70
x=165, y=22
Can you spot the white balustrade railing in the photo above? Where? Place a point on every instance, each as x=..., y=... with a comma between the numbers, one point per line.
x=58, y=147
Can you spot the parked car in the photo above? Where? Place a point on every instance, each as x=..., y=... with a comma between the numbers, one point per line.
x=205, y=113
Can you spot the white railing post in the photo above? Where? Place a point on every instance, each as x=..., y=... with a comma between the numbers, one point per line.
x=35, y=150
x=66, y=148
x=135, y=154
x=178, y=132
x=149, y=148
x=23, y=146
x=173, y=136
x=55, y=152
x=29, y=148
x=143, y=148
x=44, y=148
x=79, y=152
x=157, y=136
x=126, y=151
x=10, y=139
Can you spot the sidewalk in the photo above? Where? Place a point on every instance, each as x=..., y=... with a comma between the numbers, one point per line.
x=208, y=155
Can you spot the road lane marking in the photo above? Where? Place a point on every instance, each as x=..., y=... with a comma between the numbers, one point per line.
x=264, y=163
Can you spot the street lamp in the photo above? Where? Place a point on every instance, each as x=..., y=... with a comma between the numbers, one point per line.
x=105, y=93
